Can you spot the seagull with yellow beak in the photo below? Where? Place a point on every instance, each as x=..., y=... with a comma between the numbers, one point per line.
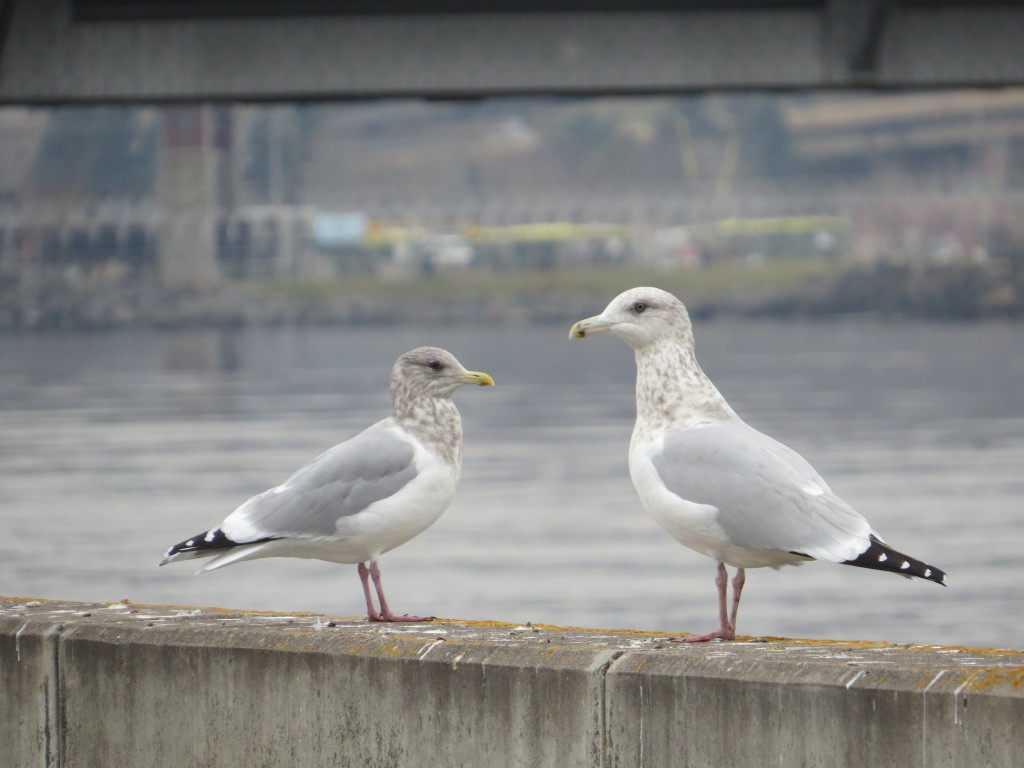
x=364, y=497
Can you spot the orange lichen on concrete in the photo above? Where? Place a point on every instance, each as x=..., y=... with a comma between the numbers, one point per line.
x=555, y=627
x=983, y=679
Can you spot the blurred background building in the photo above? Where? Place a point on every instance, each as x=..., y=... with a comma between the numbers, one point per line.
x=305, y=191
x=188, y=144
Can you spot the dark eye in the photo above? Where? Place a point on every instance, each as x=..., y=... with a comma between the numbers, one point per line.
x=639, y=307
x=435, y=365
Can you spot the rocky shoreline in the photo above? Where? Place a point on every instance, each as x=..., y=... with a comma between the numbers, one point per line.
x=950, y=292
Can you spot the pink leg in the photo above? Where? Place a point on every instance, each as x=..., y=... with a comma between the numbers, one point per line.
x=385, y=612
x=737, y=589
x=364, y=577
x=727, y=628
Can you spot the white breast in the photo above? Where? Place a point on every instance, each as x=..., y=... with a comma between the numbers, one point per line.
x=692, y=524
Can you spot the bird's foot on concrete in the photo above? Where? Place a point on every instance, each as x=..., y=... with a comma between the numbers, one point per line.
x=718, y=634
x=388, y=616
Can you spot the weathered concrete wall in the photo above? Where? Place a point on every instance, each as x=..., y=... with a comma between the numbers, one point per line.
x=98, y=685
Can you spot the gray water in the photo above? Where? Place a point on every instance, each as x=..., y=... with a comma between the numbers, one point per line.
x=115, y=446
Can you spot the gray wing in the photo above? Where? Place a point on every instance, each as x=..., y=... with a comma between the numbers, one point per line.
x=767, y=495
x=340, y=482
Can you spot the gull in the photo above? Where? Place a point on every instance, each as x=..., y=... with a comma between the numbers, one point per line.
x=363, y=497
x=715, y=483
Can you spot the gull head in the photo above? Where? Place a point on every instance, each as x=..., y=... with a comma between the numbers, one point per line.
x=640, y=317
x=432, y=372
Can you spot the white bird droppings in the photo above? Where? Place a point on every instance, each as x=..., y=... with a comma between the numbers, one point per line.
x=855, y=678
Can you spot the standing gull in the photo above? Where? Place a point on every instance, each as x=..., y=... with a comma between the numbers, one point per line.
x=365, y=496
x=713, y=482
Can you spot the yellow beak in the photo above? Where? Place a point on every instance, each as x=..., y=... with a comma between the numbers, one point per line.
x=477, y=377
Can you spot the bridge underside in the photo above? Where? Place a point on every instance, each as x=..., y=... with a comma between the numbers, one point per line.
x=189, y=53
x=57, y=51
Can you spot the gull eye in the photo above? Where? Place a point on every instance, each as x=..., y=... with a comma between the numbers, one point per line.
x=639, y=307
x=435, y=365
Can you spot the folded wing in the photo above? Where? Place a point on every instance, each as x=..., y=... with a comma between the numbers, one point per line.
x=340, y=482
x=766, y=494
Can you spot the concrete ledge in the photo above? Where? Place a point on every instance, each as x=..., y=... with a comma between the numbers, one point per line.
x=87, y=685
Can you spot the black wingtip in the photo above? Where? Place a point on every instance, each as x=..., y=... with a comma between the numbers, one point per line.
x=881, y=557
x=205, y=544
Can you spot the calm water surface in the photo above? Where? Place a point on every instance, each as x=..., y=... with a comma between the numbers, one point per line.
x=115, y=446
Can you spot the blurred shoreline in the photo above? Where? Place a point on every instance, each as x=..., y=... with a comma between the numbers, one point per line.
x=951, y=292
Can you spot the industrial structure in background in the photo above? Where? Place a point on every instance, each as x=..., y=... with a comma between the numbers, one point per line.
x=287, y=191
x=686, y=187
